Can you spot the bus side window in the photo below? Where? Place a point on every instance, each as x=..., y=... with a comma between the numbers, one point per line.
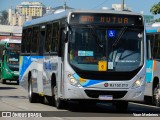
x=61, y=42
x=157, y=45
x=35, y=38
x=55, y=37
x=23, y=41
x=28, y=41
x=42, y=40
x=48, y=38
x=150, y=46
x=149, y=49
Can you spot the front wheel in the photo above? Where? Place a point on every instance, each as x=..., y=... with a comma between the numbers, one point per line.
x=3, y=81
x=121, y=106
x=31, y=95
x=59, y=103
x=156, y=96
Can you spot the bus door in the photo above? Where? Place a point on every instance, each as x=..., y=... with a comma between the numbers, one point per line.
x=61, y=53
x=40, y=60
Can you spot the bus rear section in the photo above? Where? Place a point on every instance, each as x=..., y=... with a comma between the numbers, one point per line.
x=152, y=90
x=85, y=56
x=10, y=49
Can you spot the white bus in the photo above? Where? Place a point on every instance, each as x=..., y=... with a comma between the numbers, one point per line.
x=152, y=91
x=91, y=55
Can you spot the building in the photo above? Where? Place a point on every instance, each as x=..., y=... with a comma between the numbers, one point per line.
x=7, y=31
x=31, y=9
x=16, y=18
x=24, y=12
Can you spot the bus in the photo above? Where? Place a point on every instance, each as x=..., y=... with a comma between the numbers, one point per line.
x=9, y=59
x=86, y=56
x=152, y=91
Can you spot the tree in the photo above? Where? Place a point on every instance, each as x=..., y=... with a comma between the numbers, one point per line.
x=4, y=17
x=155, y=9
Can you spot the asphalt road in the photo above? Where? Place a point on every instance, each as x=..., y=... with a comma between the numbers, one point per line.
x=14, y=100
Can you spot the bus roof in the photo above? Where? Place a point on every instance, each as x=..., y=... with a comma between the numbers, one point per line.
x=63, y=14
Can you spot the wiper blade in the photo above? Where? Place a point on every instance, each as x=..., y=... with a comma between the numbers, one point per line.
x=95, y=34
x=120, y=36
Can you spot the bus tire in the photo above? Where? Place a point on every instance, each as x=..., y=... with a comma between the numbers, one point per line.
x=59, y=103
x=148, y=100
x=156, y=96
x=17, y=82
x=121, y=106
x=3, y=81
x=87, y=104
x=32, y=96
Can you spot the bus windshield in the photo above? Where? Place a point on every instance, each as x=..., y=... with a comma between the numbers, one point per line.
x=13, y=56
x=119, y=47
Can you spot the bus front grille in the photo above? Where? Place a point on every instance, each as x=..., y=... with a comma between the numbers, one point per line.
x=96, y=93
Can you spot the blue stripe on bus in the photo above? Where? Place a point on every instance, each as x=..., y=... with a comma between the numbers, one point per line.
x=149, y=71
x=25, y=62
x=86, y=82
x=151, y=31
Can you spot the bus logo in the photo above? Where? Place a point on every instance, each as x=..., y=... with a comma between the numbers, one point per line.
x=106, y=84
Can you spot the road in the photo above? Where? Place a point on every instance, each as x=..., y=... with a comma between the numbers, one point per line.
x=14, y=99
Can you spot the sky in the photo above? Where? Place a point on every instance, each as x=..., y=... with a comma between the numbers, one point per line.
x=135, y=5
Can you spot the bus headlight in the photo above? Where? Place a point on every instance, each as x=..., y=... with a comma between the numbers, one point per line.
x=73, y=80
x=138, y=82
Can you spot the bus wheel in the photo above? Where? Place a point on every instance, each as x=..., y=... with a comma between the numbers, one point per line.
x=148, y=100
x=32, y=96
x=121, y=106
x=3, y=81
x=17, y=82
x=156, y=96
x=59, y=103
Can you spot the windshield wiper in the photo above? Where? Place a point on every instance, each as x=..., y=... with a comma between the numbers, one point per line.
x=95, y=34
x=122, y=31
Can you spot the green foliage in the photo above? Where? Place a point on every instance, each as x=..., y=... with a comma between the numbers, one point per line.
x=157, y=20
x=155, y=9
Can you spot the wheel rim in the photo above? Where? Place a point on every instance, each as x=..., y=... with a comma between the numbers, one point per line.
x=56, y=95
x=30, y=89
x=157, y=97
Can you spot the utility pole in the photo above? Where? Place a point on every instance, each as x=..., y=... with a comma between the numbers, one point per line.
x=65, y=4
x=122, y=6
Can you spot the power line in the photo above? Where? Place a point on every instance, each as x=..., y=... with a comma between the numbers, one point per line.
x=100, y=4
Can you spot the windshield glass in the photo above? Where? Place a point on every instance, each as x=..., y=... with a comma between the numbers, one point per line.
x=13, y=57
x=93, y=48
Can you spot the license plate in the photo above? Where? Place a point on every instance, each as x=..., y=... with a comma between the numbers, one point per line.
x=105, y=97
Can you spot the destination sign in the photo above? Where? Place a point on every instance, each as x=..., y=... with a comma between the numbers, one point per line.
x=109, y=19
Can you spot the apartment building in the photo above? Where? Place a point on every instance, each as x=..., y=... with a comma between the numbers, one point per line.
x=31, y=8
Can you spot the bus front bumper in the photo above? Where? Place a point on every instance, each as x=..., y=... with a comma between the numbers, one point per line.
x=72, y=92
x=12, y=76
